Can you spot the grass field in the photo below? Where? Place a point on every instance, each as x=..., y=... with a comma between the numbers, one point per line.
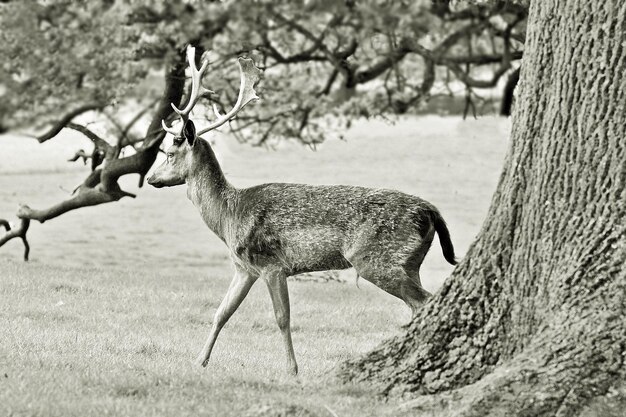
x=112, y=310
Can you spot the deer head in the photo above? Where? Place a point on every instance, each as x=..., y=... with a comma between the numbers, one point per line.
x=175, y=169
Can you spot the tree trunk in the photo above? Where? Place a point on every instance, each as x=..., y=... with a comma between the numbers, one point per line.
x=532, y=320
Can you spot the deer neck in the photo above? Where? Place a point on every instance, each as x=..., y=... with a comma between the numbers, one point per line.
x=210, y=191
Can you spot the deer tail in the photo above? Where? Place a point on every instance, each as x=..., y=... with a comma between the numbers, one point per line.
x=444, y=238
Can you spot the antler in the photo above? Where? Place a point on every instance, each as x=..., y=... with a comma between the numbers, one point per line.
x=250, y=76
x=197, y=90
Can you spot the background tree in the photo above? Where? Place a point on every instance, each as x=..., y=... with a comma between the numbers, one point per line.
x=119, y=64
x=531, y=323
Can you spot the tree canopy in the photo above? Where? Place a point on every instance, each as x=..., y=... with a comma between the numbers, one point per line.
x=321, y=58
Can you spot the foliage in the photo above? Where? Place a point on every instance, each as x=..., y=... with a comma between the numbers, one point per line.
x=326, y=62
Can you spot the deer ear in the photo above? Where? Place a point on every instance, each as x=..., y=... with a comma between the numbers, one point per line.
x=189, y=132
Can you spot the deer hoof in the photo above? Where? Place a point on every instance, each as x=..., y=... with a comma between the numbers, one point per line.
x=202, y=361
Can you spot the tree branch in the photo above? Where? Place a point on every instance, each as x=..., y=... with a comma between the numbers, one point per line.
x=337, y=60
x=135, y=119
x=15, y=233
x=99, y=143
x=101, y=185
x=60, y=124
x=85, y=197
x=484, y=59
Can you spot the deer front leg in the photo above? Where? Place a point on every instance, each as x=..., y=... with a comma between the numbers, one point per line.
x=237, y=291
x=277, y=285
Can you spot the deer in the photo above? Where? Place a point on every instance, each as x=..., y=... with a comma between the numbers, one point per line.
x=277, y=230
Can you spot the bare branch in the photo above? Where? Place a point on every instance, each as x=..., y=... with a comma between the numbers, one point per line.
x=15, y=233
x=329, y=83
x=99, y=143
x=80, y=154
x=101, y=185
x=97, y=157
x=337, y=60
x=60, y=124
x=408, y=45
x=114, y=122
x=389, y=60
x=484, y=59
x=138, y=117
x=306, y=55
x=85, y=197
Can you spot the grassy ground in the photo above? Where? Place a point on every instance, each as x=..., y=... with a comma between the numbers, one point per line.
x=115, y=305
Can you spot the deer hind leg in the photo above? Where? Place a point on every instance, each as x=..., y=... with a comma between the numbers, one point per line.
x=279, y=293
x=237, y=291
x=393, y=279
x=413, y=293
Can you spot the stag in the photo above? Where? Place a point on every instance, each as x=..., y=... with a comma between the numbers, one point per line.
x=277, y=230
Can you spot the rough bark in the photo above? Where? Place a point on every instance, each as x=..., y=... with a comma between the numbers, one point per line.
x=532, y=320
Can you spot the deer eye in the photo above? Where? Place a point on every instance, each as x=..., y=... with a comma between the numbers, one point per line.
x=169, y=156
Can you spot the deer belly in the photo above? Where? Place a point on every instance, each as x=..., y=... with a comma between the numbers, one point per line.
x=297, y=251
x=315, y=249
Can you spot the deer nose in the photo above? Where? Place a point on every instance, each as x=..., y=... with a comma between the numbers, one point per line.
x=154, y=182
